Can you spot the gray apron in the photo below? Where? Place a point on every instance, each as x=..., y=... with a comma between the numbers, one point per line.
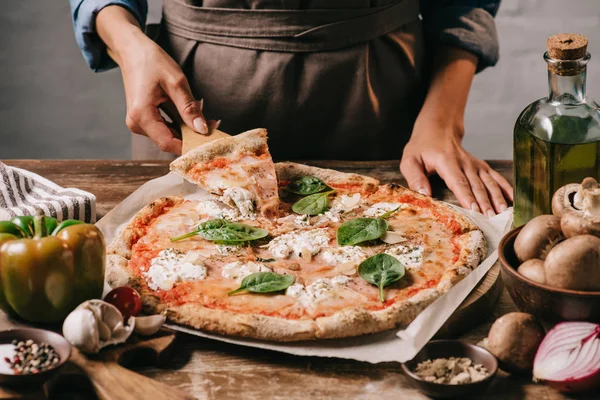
x=328, y=79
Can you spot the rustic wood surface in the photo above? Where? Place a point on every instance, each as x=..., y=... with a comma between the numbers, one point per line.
x=209, y=369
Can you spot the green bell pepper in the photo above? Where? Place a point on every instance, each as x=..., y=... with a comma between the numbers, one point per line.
x=47, y=269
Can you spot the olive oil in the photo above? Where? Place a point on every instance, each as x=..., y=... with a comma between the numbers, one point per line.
x=542, y=167
x=556, y=139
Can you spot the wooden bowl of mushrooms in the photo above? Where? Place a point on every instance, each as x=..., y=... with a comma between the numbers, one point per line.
x=551, y=265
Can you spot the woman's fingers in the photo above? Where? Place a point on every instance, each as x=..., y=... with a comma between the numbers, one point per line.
x=451, y=172
x=190, y=110
x=494, y=191
x=479, y=190
x=147, y=121
x=414, y=172
x=506, y=187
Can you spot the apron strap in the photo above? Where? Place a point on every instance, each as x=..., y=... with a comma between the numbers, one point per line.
x=306, y=30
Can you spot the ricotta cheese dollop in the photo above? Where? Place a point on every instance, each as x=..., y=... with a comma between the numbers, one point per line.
x=172, y=266
x=242, y=199
x=296, y=242
x=321, y=289
x=411, y=256
x=239, y=270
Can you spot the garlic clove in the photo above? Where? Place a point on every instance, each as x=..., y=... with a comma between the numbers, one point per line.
x=80, y=329
x=392, y=237
x=149, y=325
x=104, y=332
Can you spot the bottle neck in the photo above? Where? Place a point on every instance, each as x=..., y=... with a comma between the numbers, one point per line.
x=568, y=89
x=566, y=79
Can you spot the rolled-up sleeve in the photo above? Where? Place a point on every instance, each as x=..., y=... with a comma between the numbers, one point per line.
x=468, y=24
x=84, y=14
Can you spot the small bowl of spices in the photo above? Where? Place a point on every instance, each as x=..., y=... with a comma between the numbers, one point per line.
x=451, y=368
x=31, y=356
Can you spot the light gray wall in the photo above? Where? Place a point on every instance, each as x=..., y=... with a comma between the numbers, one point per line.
x=52, y=106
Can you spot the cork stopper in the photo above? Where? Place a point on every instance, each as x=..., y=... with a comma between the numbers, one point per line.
x=567, y=46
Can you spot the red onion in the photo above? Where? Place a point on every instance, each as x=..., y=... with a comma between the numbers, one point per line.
x=569, y=357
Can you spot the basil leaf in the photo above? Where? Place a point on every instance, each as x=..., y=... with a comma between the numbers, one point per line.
x=307, y=185
x=381, y=270
x=264, y=282
x=314, y=204
x=361, y=230
x=222, y=231
x=264, y=260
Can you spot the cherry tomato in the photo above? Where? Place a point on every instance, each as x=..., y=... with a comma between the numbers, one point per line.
x=126, y=299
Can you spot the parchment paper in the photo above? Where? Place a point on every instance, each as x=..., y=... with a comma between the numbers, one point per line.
x=387, y=346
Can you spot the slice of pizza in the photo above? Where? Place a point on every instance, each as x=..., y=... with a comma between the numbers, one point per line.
x=237, y=168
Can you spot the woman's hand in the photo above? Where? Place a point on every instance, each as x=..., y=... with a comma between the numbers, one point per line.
x=151, y=79
x=435, y=148
x=435, y=144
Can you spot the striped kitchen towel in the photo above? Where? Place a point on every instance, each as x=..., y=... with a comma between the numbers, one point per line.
x=23, y=193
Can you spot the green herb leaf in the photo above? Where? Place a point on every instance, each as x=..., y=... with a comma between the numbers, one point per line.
x=265, y=260
x=381, y=270
x=314, y=204
x=307, y=185
x=222, y=231
x=264, y=282
x=361, y=230
x=389, y=213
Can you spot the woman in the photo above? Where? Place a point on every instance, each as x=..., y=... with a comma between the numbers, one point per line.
x=329, y=79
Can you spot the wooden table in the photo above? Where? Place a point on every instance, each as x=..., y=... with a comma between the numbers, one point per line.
x=214, y=370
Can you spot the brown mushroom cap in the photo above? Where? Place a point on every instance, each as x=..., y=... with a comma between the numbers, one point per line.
x=579, y=208
x=562, y=199
x=574, y=264
x=514, y=339
x=537, y=237
x=533, y=269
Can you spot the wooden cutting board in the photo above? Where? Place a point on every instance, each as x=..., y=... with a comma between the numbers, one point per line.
x=106, y=375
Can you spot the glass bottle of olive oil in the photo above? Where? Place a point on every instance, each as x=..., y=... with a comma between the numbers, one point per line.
x=556, y=139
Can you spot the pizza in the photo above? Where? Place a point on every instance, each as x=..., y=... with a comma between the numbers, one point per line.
x=287, y=252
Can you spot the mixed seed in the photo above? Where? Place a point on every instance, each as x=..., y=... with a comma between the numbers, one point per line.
x=32, y=358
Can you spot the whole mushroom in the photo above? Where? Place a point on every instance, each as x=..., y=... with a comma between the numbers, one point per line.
x=574, y=264
x=578, y=206
x=534, y=270
x=513, y=339
x=538, y=237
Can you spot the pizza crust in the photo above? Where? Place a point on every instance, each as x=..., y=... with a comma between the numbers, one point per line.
x=288, y=171
x=349, y=322
x=253, y=142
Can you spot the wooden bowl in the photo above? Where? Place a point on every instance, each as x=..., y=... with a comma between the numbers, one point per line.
x=446, y=349
x=548, y=304
x=59, y=343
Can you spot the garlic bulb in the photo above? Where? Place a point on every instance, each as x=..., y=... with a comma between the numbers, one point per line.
x=95, y=324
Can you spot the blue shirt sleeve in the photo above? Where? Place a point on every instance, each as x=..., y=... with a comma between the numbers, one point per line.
x=468, y=24
x=84, y=14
